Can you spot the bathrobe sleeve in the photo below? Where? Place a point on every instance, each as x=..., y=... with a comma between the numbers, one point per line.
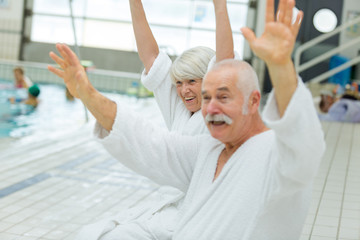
x=165, y=157
x=299, y=143
x=158, y=80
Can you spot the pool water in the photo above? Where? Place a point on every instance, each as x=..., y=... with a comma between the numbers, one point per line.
x=54, y=112
x=55, y=115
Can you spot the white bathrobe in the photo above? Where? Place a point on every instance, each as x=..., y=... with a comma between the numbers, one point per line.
x=160, y=219
x=263, y=191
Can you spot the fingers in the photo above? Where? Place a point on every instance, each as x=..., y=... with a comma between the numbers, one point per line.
x=68, y=55
x=281, y=10
x=269, y=11
x=57, y=59
x=248, y=34
x=288, y=12
x=296, y=26
x=71, y=56
x=56, y=71
x=59, y=47
x=285, y=11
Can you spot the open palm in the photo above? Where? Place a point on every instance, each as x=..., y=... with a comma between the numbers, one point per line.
x=71, y=70
x=276, y=44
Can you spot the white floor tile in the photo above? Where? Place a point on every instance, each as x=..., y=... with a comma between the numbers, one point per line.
x=349, y=233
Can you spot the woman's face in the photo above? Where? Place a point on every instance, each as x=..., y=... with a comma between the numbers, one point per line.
x=190, y=93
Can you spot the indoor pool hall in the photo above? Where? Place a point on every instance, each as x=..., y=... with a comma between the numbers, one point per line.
x=179, y=119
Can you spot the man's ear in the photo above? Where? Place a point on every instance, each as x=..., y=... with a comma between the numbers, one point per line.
x=254, y=101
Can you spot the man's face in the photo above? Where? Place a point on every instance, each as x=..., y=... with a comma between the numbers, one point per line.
x=221, y=95
x=190, y=93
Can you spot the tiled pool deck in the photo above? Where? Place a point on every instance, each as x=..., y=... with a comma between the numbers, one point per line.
x=49, y=189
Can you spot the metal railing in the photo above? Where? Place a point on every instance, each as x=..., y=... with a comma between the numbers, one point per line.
x=103, y=80
x=301, y=67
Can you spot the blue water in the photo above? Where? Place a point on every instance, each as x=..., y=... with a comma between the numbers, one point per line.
x=53, y=114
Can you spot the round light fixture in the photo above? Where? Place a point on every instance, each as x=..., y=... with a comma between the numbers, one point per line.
x=325, y=20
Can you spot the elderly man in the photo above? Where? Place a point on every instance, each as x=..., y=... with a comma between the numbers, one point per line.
x=252, y=178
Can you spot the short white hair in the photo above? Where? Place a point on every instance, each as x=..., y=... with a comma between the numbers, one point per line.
x=191, y=64
x=247, y=79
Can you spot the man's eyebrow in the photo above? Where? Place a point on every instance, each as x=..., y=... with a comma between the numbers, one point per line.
x=221, y=89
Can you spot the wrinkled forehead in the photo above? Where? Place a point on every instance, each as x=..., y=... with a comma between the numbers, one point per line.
x=220, y=80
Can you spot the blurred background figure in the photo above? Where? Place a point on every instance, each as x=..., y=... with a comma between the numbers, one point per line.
x=341, y=108
x=33, y=94
x=32, y=100
x=21, y=81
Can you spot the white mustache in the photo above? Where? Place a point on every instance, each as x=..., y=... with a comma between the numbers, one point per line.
x=218, y=118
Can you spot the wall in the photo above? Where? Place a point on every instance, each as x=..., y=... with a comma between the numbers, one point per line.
x=101, y=79
x=351, y=9
x=10, y=28
x=102, y=58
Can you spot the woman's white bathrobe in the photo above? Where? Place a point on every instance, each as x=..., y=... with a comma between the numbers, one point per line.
x=263, y=191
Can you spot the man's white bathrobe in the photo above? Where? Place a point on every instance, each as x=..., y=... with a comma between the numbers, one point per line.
x=263, y=191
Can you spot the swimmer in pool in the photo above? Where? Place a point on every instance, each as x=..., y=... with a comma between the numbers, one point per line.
x=32, y=100
x=21, y=81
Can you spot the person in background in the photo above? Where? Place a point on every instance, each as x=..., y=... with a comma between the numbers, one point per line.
x=33, y=93
x=343, y=108
x=32, y=99
x=21, y=80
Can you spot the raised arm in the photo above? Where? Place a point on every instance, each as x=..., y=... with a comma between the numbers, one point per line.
x=275, y=46
x=224, y=38
x=76, y=80
x=146, y=44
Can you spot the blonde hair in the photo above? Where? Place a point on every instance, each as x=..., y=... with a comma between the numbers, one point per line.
x=191, y=64
x=19, y=69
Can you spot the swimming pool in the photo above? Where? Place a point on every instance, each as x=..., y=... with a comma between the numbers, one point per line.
x=55, y=114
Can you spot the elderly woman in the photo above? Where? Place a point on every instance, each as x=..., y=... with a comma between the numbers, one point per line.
x=177, y=86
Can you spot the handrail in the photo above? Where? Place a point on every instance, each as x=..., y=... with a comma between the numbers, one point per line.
x=321, y=38
x=327, y=55
x=299, y=68
x=335, y=70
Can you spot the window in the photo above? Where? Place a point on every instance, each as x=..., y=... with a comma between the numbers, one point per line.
x=176, y=24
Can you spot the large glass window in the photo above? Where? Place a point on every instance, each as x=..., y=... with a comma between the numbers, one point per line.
x=176, y=24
